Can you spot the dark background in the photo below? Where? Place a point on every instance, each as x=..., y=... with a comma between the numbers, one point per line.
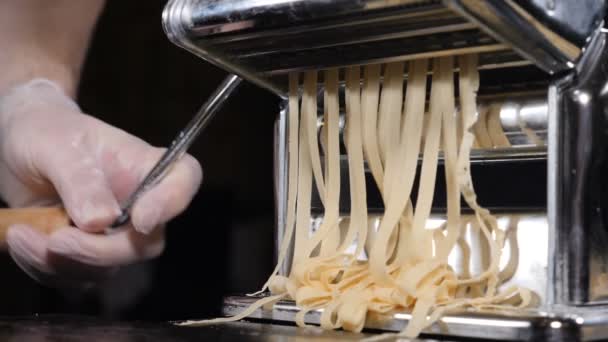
x=135, y=79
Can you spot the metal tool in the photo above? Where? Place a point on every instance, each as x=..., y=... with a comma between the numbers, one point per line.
x=550, y=51
x=180, y=145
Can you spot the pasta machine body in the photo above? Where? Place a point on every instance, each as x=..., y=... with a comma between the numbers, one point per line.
x=546, y=61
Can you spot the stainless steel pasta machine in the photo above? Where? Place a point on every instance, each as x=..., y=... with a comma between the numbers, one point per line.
x=545, y=61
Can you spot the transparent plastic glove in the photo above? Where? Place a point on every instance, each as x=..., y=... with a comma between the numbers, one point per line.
x=53, y=154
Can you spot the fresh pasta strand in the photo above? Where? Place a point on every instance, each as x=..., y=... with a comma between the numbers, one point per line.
x=245, y=313
x=397, y=196
x=356, y=171
x=450, y=153
x=423, y=249
x=310, y=123
x=369, y=104
x=332, y=168
x=468, y=83
x=390, y=103
x=305, y=165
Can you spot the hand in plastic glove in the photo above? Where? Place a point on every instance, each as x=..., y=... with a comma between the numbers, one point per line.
x=51, y=154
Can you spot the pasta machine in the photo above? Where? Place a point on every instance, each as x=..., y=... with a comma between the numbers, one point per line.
x=544, y=61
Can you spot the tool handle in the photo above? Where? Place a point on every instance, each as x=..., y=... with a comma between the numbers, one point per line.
x=45, y=220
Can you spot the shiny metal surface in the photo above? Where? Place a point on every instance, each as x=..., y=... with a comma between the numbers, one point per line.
x=562, y=324
x=178, y=25
x=487, y=326
x=578, y=186
x=260, y=40
x=281, y=158
x=522, y=153
x=572, y=19
x=511, y=24
x=515, y=116
x=180, y=145
x=553, y=189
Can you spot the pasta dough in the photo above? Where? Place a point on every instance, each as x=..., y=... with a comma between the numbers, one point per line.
x=407, y=269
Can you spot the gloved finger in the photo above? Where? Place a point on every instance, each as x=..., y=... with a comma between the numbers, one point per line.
x=29, y=250
x=29, y=246
x=120, y=248
x=81, y=184
x=168, y=198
